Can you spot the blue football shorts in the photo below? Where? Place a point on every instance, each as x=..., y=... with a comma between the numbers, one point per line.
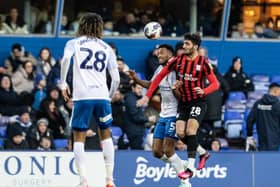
x=84, y=110
x=166, y=127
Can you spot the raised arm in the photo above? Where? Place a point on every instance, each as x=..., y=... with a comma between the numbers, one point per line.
x=133, y=76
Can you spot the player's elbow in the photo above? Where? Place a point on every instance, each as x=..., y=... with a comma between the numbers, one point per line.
x=217, y=86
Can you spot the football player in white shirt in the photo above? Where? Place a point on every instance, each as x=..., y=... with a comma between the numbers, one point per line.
x=165, y=138
x=92, y=57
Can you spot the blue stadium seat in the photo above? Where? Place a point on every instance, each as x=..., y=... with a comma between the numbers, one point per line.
x=60, y=144
x=233, y=123
x=275, y=78
x=1, y=143
x=116, y=133
x=233, y=115
x=257, y=94
x=260, y=78
x=237, y=96
x=3, y=131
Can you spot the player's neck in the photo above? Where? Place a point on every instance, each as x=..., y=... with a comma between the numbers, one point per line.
x=193, y=55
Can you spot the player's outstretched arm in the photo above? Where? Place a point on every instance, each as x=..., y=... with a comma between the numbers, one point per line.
x=133, y=76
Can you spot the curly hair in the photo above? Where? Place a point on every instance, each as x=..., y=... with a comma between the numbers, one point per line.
x=90, y=25
x=194, y=38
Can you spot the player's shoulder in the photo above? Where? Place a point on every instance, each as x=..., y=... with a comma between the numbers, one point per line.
x=71, y=42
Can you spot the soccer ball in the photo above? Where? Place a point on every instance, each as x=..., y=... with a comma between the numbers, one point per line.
x=152, y=30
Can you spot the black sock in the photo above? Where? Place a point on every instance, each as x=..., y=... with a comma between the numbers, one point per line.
x=192, y=145
x=184, y=140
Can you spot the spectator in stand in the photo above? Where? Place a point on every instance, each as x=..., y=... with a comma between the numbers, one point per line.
x=266, y=115
x=239, y=33
x=39, y=91
x=118, y=109
x=151, y=63
x=45, y=63
x=167, y=25
x=23, y=124
x=237, y=78
x=179, y=48
x=125, y=81
x=15, y=23
x=153, y=109
x=57, y=123
x=40, y=130
x=216, y=145
x=127, y=24
x=18, y=57
x=144, y=19
x=16, y=141
x=45, y=144
x=261, y=32
x=66, y=111
x=10, y=101
x=135, y=118
x=23, y=78
x=214, y=103
x=54, y=94
x=3, y=26
x=53, y=77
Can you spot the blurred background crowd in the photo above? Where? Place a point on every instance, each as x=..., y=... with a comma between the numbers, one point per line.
x=34, y=115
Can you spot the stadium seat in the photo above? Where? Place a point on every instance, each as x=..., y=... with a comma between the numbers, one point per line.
x=235, y=106
x=233, y=115
x=116, y=133
x=261, y=81
x=257, y=94
x=260, y=78
x=60, y=144
x=237, y=96
x=233, y=123
x=275, y=78
x=3, y=132
x=1, y=143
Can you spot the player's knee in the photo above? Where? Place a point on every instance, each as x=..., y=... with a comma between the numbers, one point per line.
x=157, y=153
x=180, y=134
x=168, y=152
x=191, y=127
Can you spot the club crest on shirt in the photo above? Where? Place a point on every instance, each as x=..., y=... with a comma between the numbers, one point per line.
x=198, y=68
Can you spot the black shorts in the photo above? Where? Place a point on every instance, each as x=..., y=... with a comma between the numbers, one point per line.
x=192, y=110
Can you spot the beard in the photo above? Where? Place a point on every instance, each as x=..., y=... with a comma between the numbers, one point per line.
x=190, y=52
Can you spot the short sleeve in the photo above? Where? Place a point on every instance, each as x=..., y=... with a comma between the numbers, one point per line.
x=172, y=78
x=69, y=49
x=112, y=60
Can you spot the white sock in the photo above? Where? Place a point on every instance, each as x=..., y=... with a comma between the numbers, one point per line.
x=200, y=150
x=191, y=164
x=80, y=161
x=109, y=157
x=176, y=163
x=164, y=158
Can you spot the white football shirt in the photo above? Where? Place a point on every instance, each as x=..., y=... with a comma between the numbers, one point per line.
x=169, y=102
x=91, y=57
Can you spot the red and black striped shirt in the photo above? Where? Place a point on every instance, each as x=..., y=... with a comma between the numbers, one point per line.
x=192, y=73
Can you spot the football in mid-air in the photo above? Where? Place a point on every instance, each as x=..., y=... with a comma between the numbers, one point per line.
x=152, y=30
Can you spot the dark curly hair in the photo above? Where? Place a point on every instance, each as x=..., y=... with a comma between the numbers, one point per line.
x=194, y=38
x=90, y=25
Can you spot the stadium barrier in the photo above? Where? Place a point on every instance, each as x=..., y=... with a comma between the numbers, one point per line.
x=48, y=169
x=137, y=169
